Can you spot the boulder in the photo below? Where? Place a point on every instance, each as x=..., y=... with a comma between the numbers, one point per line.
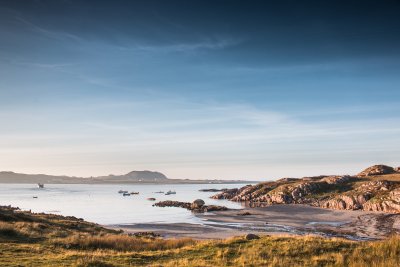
x=197, y=204
x=251, y=237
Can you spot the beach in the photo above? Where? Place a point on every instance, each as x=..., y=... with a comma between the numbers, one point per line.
x=277, y=220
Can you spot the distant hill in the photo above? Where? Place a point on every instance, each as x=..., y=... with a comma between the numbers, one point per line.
x=150, y=177
x=142, y=175
x=12, y=177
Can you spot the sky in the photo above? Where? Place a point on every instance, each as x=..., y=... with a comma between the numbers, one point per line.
x=216, y=89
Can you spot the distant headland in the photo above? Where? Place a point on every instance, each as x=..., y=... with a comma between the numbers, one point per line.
x=133, y=177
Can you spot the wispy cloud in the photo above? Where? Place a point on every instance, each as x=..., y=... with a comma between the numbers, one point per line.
x=201, y=44
x=44, y=65
x=57, y=35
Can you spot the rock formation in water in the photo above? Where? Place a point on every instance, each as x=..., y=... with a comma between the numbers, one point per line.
x=195, y=206
x=369, y=190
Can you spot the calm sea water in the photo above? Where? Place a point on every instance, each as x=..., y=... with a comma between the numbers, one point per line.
x=102, y=203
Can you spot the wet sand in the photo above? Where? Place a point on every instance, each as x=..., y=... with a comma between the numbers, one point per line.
x=279, y=220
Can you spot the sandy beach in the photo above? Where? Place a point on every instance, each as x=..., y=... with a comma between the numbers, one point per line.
x=279, y=220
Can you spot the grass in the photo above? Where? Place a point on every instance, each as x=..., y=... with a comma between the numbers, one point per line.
x=267, y=251
x=8, y=231
x=121, y=243
x=28, y=239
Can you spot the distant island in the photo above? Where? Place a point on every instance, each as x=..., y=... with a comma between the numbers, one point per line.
x=133, y=177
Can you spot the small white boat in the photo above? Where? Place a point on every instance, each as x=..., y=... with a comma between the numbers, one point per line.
x=170, y=192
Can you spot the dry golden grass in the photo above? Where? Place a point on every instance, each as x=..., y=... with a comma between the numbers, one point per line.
x=7, y=230
x=389, y=177
x=39, y=240
x=121, y=242
x=123, y=250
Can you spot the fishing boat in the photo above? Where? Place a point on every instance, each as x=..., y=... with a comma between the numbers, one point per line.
x=134, y=193
x=159, y=192
x=122, y=191
x=170, y=192
x=126, y=194
x=40, y=185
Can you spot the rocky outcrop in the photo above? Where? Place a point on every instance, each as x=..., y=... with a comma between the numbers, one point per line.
x=337, y=179
x=293, y=191
x=227, y=194
x=246, y=213
x=377, y=170
x=196, y=206
x=389, y=202
x=334, y=192
x=362, y=197
x=210, y=208
x=344, y=202
x=213, y=190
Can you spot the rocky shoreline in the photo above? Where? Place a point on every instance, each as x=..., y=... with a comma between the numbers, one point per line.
x=377, y=188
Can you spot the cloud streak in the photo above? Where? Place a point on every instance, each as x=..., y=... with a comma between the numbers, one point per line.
x=52, y=34
x=181, y=47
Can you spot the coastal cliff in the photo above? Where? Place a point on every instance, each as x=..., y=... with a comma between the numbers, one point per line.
x=377, y=188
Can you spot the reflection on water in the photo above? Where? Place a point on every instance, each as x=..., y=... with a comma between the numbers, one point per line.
x=102, y=203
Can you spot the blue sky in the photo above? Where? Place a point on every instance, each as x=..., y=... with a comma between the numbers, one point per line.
x=199, y=89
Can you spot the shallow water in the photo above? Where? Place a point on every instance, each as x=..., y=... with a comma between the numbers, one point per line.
x=103, y=204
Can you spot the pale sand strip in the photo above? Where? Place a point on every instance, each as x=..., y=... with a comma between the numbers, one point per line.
x=278, y=220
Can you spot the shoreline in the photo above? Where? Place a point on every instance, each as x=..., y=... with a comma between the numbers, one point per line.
x=290, y=219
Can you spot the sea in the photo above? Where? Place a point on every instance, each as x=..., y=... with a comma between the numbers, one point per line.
x=103, y=204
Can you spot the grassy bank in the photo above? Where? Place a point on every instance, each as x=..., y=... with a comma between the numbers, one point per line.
x=49, y=240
